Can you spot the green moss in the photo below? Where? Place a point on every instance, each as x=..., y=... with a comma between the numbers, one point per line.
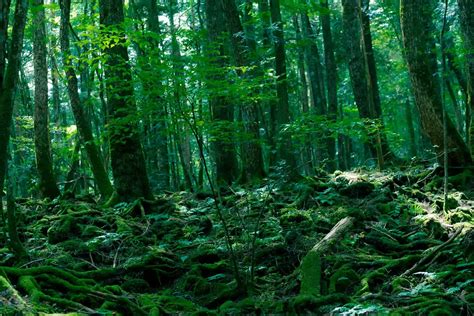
x=310, y=270
x=342, y=279
x=66, y=227
x=303, y=304
x=399, y=284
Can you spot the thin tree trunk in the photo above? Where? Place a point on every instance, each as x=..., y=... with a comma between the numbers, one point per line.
x=331, y=78
x=47, y=180
x=252, y=159
x=83, y=122
x=411, y=129
x=9, y=79
x=284, y=148
x=306, y=151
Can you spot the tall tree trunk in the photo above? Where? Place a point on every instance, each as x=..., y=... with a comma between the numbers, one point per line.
x=44, y=164
x=411, y=129
x=466, y=14
x=331, y=78
x=417, y=30
x=252, y=159
x=4, y=14
x=373, y=84
x=83, y=122
x=284, y=147
x=360, y=76
x=128, y=161
x=9, y=79
x=159, y=119
x=179, y=95
x=222, y=110
x=316, y=80
x=303, y=95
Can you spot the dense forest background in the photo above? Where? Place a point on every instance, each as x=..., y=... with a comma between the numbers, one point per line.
x=117, y=113
x=157, y=92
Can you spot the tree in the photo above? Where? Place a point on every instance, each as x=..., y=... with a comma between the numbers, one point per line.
x=252, y=160
x=362, y=73
x=417, y=29
x=283, y=110
x=83, y=121
x=331, y=78
x=128, y=161
x=466, y=16
x=222, y=109
x=47, y=180
x=9, y=77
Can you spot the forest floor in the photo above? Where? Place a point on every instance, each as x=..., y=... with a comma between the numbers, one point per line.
x=401, y=254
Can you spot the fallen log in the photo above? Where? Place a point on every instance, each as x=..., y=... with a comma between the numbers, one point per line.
x=310, y=268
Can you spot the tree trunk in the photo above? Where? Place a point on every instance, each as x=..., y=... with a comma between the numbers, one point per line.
x=417, y=30
x=128, y=162
x=9, y=79
x=411, y=129
x=83, y=122
x=284, y=147
x=303, y=95
x=315, y=74
x=373, y=84
x=222, y=110
x=466, y=14
x=331, y=78
x=4, y=13
x=47, y=180
x=252, y=159
x=360, y=76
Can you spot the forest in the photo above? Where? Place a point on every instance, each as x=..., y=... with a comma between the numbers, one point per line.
x=237, y=157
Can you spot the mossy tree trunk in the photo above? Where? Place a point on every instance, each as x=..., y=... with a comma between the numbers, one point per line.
x=362, y=80
x=47, y=179
x=466, y=15
x=9, y=79
x=83, y=121
x=316, y=83
x=284, y=147
x=419, y=43
x=128, y=162
x=331, y=79
x=252, y=159
x=222, y=109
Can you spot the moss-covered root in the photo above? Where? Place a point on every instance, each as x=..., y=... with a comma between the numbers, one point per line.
x=29, y=284
x=303, y=304
x=9, y=293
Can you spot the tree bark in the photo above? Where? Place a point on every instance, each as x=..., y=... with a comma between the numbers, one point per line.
x=83, y=122
x=128, y=162
x=9, y=80
x=284, y=147
x=331, y=78
x=466, y=15
x=252, y=159
x=47, y=180
x=362, y=82
x=373, y=78
x=222, y=110
x=417, y=30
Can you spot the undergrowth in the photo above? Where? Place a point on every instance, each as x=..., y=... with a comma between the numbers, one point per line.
x=402, y=256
